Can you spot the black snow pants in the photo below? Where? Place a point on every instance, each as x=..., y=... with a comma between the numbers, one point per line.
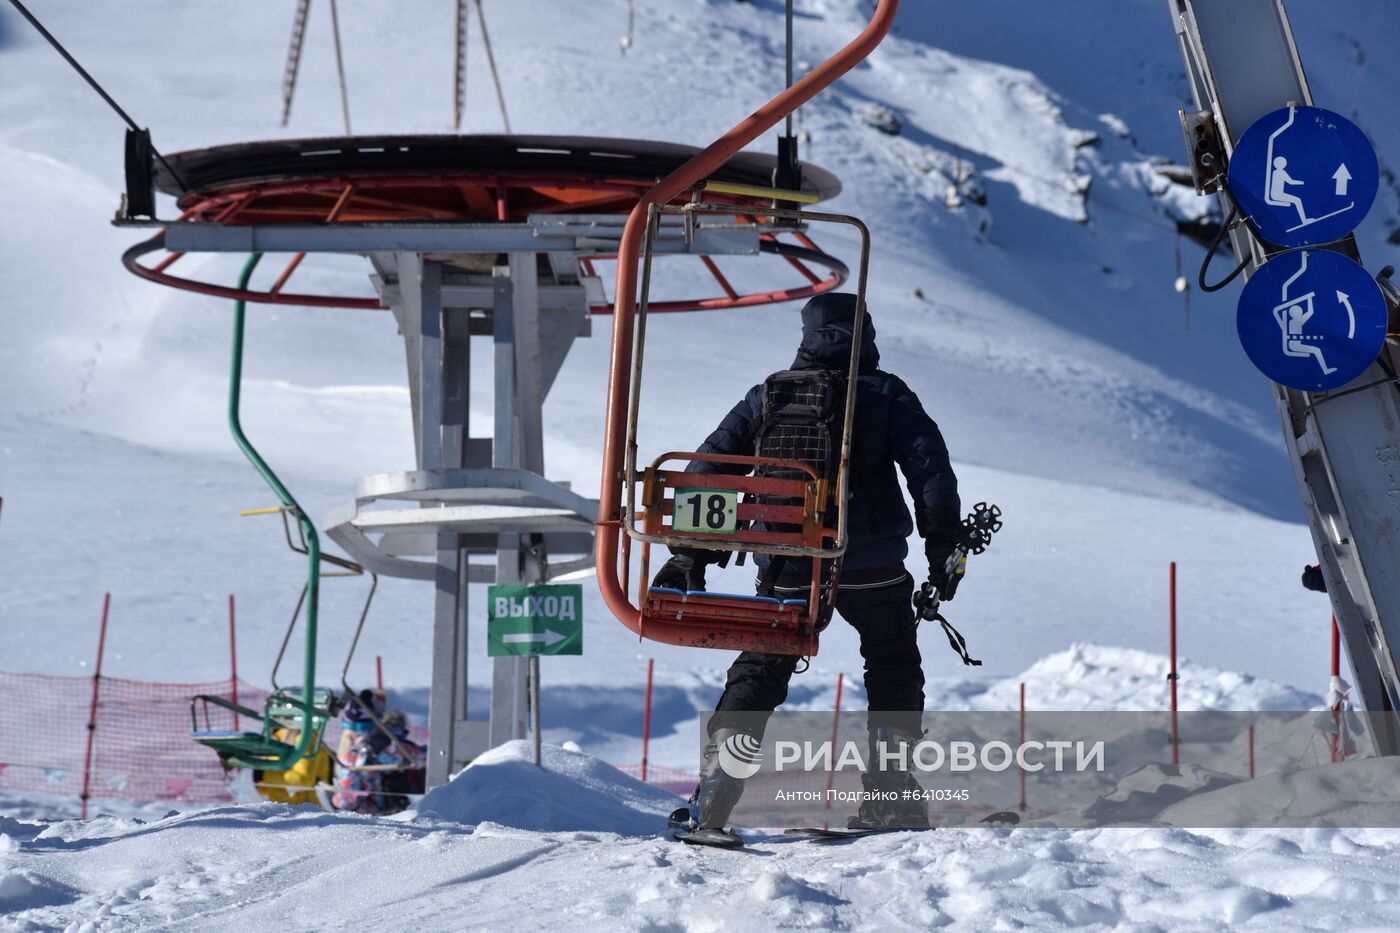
x=894, y=673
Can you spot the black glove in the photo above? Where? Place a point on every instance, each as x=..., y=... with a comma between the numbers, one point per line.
x=942, y=533
x=686, y=569
x=1312, y=578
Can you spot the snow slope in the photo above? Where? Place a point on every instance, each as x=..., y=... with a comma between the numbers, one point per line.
x=268, y=866
x=1115, y=439
x=1049, y=347
x=1035, y=592
x=1043, y=336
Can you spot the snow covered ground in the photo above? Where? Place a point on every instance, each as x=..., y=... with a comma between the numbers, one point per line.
x=579, y=846
x=1044, y=336
x=575, y=847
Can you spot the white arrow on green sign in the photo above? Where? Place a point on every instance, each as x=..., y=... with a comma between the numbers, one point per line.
x=547, y=637
x=530, y=620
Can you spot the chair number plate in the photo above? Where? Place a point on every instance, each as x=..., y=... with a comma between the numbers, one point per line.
x=707, y=511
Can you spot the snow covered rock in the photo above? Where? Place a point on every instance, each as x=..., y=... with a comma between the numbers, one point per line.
x=570, y=792
x=880, y=117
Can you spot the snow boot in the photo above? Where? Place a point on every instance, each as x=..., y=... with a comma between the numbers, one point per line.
x=713, y=799
x=894, y=800
x=717, y=793
x=687, y=831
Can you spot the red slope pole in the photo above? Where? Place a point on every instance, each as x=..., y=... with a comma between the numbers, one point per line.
x=1021, y=741
x=1336, y=648
x=379, y=673
x=1251, y=753
x=1335, y=740
x=232, y=659
x=92, y=709
x=1173, y=676
x=646, y=720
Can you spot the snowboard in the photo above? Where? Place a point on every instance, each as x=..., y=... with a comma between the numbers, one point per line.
x=818, y=834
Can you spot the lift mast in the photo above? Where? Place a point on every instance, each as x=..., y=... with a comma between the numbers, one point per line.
x=1344, y=444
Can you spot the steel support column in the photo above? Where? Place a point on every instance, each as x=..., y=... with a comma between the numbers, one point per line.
x=1344, y=445
x=438, y=385
x=473, y=496
x=509, y=675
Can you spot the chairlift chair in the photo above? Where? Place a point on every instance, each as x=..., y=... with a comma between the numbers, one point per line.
x=782, y=507
x=716, y=620
x=285, y=707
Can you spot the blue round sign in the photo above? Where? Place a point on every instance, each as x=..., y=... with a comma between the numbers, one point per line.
x=1304, y=176
x=1311, y=320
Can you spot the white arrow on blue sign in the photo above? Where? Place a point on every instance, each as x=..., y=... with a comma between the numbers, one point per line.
x=1311, y=320
x=1304, y=176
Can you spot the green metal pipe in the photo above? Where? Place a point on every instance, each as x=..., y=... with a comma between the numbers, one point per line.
x=313, y=540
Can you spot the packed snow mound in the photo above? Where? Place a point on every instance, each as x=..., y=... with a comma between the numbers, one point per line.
x=1359, y=792
x=1355, y=793
x=1101, y=677
x=1142, y=796
x=570, y=792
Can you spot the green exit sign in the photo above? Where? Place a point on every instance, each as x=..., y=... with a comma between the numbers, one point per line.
x=526, y=620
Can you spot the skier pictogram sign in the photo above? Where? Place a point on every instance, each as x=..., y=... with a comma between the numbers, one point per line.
x=1304, y=176
x=1311, y=320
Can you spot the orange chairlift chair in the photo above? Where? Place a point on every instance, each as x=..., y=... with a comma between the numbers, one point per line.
x=720, y=511
x=782, y=507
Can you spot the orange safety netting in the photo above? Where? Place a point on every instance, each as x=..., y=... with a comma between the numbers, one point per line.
x=141, y=748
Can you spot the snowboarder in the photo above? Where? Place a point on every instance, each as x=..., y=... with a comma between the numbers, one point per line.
x=376, y=759
x=874, y=591
x=357, y=718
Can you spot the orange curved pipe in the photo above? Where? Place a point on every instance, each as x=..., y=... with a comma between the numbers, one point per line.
x=625, y=298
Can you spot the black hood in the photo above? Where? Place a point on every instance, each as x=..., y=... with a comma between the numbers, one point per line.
x=829, y=347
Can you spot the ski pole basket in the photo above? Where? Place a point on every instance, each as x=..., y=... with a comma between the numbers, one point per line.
x=784, y=508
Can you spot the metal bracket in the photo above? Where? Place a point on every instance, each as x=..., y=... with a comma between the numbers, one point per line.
x=1208, y=159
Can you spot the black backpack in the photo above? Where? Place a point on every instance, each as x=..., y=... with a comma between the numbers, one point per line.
x=802, y=419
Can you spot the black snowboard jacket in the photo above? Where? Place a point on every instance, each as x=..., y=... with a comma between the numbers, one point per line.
x=890, y=428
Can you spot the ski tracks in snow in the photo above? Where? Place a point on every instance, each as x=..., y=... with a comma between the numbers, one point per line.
x=267, y=866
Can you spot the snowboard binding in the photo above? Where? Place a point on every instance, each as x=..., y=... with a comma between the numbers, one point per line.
x=685, y=828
